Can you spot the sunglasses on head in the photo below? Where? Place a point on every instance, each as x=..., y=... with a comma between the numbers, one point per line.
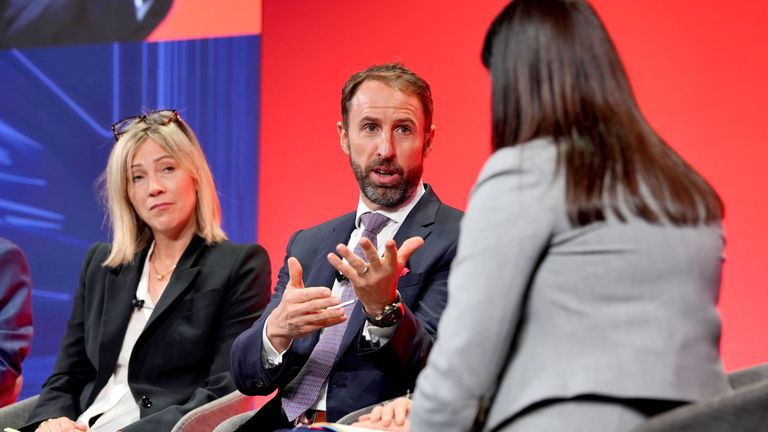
x=153, y=118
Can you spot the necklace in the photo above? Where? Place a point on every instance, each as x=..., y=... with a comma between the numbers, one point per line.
x=160, y=276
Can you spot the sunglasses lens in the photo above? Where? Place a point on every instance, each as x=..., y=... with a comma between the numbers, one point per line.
x=159, y=118
x=122, y=126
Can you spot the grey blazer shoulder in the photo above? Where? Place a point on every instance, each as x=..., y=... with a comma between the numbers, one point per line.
x=545, y=310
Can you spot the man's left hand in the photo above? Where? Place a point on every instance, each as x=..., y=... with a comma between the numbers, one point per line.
x=375, y=283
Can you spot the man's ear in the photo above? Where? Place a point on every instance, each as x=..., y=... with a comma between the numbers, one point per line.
x=428, y=140
x=343, y=137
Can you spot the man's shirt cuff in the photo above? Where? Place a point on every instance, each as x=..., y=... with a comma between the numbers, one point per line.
x=270, y=358
x=377, y=336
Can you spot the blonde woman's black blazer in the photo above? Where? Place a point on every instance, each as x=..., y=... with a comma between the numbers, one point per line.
x=181, y=359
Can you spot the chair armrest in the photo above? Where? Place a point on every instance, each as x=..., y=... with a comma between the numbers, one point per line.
x=748, y=376
x=15, y=415
x=233, y=423
x=741, y=411
x=208, y=416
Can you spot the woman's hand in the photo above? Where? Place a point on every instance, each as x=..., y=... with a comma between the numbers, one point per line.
x=390, y=417
x=61, y=424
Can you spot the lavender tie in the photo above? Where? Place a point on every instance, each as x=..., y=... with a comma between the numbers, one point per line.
x=302, y=393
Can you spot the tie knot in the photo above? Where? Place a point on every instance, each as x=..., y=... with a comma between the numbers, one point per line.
x=374, y=222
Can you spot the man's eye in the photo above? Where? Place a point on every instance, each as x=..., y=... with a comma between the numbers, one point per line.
x=370, y=128
x=403, y=129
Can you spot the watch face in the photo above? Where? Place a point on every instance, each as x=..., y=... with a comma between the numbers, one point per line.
x=392, y=315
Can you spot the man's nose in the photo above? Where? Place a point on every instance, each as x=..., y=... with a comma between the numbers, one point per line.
x=386, y=146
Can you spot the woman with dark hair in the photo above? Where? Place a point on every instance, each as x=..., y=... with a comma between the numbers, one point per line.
x=583, y=294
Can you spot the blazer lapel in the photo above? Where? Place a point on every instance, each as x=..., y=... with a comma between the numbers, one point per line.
x=120, y=287
x=354, y=328
x=322, y=273
x=181, y=280
x=420, y=220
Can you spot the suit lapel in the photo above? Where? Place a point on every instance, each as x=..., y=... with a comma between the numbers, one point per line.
x=181, y=280
x=418, y=223
x=322, y=273
x=420, y=220
x=354, y=328
x=120, y=287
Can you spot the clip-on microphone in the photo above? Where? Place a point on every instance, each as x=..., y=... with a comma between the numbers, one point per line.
x=340, y=277
x=137, y=304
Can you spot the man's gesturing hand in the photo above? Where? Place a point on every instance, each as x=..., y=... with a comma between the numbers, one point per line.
x=301, y=310
x=375, y=283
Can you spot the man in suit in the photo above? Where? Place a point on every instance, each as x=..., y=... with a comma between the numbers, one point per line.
x=327, y=359
x=25, y=23
x=15, y=319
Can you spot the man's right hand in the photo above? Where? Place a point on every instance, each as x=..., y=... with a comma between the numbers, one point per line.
x=301, y=310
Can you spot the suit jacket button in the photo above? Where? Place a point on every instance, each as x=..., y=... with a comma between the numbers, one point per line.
x=146, y=402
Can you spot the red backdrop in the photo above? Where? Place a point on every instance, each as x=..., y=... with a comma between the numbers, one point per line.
x=699, y=73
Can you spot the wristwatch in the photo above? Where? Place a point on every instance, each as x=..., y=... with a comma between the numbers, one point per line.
x=390, y=315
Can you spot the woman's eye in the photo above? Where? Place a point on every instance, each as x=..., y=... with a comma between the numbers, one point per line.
x=136, y=178
x=169, y=169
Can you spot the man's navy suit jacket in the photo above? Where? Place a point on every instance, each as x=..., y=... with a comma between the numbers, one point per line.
x=363, y=374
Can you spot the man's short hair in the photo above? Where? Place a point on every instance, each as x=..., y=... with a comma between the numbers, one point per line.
x=396, y=76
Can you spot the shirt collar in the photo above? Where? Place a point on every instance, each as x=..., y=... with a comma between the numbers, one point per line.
x=399, y=215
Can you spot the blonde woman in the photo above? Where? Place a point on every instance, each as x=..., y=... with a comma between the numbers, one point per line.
x=157, y=310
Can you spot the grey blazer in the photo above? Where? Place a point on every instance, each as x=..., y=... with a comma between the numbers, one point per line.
x=612, y=309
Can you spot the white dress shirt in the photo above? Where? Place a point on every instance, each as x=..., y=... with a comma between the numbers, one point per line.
x=376, y=335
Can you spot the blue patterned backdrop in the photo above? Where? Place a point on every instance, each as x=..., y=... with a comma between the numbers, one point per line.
x=56, y=108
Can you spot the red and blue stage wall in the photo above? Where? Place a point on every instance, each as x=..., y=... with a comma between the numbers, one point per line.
x=265, y=104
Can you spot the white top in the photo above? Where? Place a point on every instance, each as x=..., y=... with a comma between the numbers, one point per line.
x=376, y=335
x=115, y=401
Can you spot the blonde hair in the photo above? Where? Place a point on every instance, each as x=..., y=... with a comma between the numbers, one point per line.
x=129, y=233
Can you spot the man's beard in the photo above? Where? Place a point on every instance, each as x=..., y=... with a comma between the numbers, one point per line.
x=387, y=196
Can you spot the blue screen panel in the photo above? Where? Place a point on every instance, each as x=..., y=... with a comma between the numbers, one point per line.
x=57, y=108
